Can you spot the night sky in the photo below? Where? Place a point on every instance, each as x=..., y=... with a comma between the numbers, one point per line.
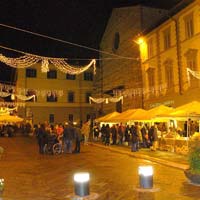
x=76, y=21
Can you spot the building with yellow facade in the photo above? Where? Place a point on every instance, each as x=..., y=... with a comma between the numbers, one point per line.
x=59, y=97
x=170, y=59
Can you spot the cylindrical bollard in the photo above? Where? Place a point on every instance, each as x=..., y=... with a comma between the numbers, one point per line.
x=81, y=184
x=146, y=177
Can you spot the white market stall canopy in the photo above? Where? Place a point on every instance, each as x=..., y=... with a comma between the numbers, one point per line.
x=10, y=119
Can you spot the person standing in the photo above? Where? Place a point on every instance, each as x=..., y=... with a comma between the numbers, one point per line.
x=68, y=136
x=113, y=131
x=41, y=137
x=134, y=139
x=154, y=138
x=107, y=135
x=78, y=138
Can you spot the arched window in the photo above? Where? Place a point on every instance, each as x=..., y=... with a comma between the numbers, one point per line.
x=116, y=42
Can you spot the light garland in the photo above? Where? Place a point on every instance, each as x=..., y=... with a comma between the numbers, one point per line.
x=138, y=91
x=196, y=74
x=4, y=91
x=28, y=60
x=12, y=104
x=21, y=97
x=106, y=100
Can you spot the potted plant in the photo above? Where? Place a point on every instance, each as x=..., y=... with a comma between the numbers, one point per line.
x=193, y=173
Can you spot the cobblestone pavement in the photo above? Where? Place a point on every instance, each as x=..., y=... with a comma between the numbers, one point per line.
x=114, y=176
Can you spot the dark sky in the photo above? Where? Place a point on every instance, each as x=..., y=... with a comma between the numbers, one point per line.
x=77, y=21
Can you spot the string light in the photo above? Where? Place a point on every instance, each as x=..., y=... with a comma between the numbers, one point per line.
x=106, y=100
x=60, y=63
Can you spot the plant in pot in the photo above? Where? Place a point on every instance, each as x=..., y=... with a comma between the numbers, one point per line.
x=193, y=173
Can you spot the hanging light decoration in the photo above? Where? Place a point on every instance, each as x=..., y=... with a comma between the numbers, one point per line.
x=45, y=65
x=106, y=100
x=60, y=63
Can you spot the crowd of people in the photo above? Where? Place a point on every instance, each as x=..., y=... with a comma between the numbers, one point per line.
x=135, y=135
x=67, y=135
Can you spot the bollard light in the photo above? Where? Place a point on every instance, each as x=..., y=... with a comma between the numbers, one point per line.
x=81, y=184
x=146, y=176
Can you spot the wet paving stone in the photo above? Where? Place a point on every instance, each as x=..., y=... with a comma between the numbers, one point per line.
x=29, y=175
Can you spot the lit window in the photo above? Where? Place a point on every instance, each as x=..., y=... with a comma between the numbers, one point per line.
x=191, y=60
x=189, y=26
x=31, y=73
x=52, y=74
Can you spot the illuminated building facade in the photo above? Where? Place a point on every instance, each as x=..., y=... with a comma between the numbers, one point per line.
x=59, y=98
x=170, y=59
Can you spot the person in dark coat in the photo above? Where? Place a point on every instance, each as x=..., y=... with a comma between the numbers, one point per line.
x=68, y=136
x=113, y=131
x=78, y=138
x=134, y=139
x=41, y=137
x=107, y=135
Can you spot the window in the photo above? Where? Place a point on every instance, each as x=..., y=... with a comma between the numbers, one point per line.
x=88, y=76
x=31, y=93
x=191, y=60
x=71, y=117
x=88, y=117
x=52, y=97
x=70, y=76
x=52, y=74
x=169, y=75
x=151, y=80
x=70, y=97
x=51, y=118
x=87, y=97
x=31, y=73
x=150, y=48
x=116, y=42
x=167, y=39
x=189, y=26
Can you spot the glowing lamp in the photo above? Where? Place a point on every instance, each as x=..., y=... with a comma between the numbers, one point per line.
x=140, y=40
x=81, y=183
x=146, y=176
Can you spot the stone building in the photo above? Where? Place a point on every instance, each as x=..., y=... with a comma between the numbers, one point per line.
x=120, y=69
